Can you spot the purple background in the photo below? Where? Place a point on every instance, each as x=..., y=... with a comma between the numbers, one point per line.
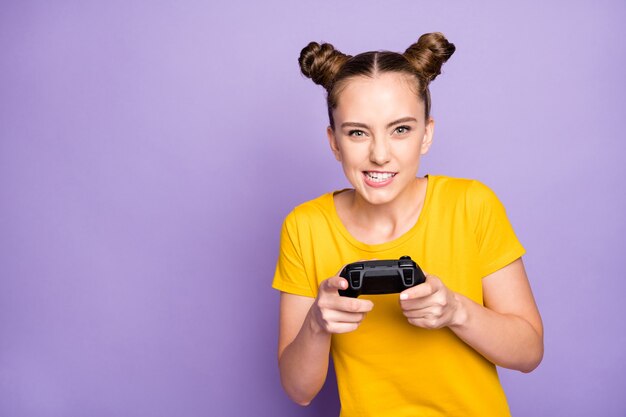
x=150, y=150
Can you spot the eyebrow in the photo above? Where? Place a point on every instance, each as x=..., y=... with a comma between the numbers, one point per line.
x=395, y=122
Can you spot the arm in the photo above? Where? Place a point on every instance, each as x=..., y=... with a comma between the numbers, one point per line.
x=507, y=330
x=306, y=326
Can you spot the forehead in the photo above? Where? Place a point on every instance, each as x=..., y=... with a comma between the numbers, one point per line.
x=384, y=97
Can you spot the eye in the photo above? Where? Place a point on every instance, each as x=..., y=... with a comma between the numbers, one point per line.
x=402, y=130
x=356, y=133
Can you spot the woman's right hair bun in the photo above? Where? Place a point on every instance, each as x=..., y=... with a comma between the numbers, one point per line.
x=321, y=63
x=428, y=55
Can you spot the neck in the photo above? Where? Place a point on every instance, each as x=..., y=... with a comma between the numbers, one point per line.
x=388, y=221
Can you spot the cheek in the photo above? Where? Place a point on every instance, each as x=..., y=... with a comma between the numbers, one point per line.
x=409, y=151
x=351, y=164
x=353, y=155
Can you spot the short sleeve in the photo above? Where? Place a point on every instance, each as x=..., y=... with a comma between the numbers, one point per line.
x=290, y=275
x=496, y=241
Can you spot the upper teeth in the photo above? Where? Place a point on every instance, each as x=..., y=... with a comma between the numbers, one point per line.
x=379, y=176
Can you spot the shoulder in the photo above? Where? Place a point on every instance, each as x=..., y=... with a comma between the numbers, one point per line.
x=465, y=189
x=469, y=197
x=318, y=209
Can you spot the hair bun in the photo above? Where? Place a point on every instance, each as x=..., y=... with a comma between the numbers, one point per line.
x=428, y=55
x=321, y=63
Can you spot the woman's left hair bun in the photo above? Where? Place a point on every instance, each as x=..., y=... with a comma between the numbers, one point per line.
x=321, y=63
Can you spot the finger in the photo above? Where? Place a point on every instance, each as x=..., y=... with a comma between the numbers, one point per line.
x=419, y=291
x=335, y=316
x=416, y=304
x=347, y=304
x=353, y=305
x=427, y=323
x=342, y=327
x=333, y=284
x=426, y=312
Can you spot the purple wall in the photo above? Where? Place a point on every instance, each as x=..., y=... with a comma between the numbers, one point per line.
x=149, y=151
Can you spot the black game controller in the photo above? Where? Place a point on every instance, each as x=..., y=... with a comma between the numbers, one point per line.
x=381, y=277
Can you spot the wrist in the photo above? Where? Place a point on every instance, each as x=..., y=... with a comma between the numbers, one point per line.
x=314, y=326
x=461, y=315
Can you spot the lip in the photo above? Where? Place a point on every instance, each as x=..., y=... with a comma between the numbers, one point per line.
x=378, y=184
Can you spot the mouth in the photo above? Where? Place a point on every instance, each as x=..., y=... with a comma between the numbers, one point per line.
x=377, y=178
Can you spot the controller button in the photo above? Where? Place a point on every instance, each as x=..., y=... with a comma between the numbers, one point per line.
x=408, y=276
x=356, y=266
x=355, y=279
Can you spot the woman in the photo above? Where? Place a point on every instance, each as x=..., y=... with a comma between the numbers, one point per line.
x=432, y=349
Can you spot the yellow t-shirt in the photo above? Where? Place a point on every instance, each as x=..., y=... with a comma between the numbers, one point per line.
x=387, y=367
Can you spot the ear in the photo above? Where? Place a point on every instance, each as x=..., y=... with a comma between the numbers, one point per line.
x=428, y=136
x=332, y=141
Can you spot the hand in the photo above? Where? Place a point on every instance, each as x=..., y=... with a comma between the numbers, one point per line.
x=431, y=305
x=333, y=313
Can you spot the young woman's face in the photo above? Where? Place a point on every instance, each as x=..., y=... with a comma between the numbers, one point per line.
x=380, y=133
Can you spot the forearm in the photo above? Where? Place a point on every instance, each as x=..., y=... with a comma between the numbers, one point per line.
x=506, y=340
x=304, y=362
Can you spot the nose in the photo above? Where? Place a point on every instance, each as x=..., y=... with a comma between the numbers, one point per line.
x=380, y=153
